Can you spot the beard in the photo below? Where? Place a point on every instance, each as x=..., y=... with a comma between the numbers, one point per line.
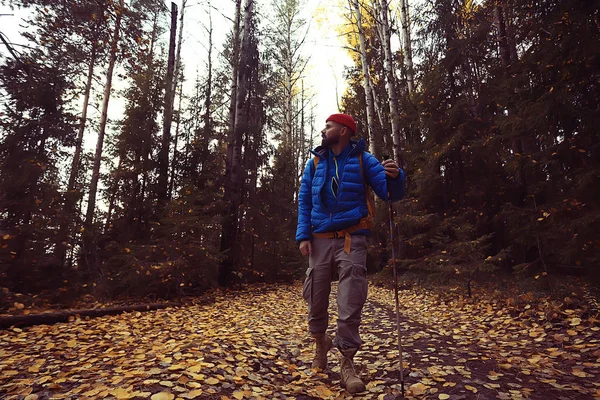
x=330, y=141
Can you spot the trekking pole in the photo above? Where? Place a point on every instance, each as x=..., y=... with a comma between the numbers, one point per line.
x=397, y=301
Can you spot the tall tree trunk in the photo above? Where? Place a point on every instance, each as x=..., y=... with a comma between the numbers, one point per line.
x=163, y=155
x=113, y=195
x=89, y=218
x=176, y=76
x=407, y=46
x=233, y=169
x=502, y=39
x=175, y=152
x=178, y=55
x=235, y=64
x=391, y=82
x=375, y=139
x=90, y=250
x=70, y=198
x=207, y=129
x=86, y=101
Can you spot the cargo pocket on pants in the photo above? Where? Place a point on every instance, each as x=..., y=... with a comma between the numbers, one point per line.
x=308, y=283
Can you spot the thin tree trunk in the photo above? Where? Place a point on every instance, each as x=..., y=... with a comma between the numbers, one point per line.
x=391, y=83
x=376, y=142
x=208, y=99
x=70, y=201
x=233, y=169
x=163, y=155
x=89, y=218
x=178, y=56
x=113, y=195
x=235, y=60
x=86, y=101
x=502, y=40
x=407, y=46
x=175, y=152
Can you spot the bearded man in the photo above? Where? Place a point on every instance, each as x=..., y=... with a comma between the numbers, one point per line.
x=334, y=221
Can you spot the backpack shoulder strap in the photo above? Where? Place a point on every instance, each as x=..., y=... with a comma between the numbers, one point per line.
x=315, y=163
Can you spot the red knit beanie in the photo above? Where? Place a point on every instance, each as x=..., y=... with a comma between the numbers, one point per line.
x=343, y=119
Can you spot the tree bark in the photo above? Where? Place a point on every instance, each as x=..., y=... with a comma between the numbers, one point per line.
x=234, y=168
x=502, y=40
x=375, y=139
x=163, y=155
x=175, y=152
x=89, y=218
x=207, y=129
x=391, y=83
x=86, y=101
x=407, y=46
x=235, y=63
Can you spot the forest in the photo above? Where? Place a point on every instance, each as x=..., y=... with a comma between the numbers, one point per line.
x=491, y=107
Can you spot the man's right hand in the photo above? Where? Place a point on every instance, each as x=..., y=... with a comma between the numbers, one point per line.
x=305, y=247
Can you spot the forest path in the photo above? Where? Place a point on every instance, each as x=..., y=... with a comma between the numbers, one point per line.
x=254, y=344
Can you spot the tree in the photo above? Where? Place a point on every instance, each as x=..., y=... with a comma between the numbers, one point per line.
x=163, y=155
x=234, y=171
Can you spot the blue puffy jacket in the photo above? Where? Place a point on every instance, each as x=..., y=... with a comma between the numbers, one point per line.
x=317, y=215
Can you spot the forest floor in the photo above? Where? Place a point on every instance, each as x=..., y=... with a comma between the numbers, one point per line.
x=254, y=344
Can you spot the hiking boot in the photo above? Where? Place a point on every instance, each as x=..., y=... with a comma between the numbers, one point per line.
x=323, y=345
x=349, y=379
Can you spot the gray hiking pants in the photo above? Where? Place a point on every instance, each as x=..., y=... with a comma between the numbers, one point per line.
x=327, y=258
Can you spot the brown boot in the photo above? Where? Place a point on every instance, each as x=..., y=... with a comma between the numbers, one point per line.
x=323, y=345
x=349, y=379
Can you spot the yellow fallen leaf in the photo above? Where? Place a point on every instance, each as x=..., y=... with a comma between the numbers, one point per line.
x=571, y=332
x=72, y=343
x=443, y=396
x=212, y=381
x=31, y=397
x=575, y=321
x=122, y=394
x=417, y=389
x=162, y=396
x=471, y=388
x=239, y=395
x=193, y=394
x=579, y=373
x=195, y=368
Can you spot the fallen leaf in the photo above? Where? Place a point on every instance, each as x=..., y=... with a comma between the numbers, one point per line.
x=163, y=396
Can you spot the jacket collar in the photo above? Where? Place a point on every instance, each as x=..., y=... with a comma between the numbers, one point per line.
x=356, y=147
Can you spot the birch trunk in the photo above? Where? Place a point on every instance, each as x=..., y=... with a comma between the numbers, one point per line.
x=89, y=218
x=391, y=83
x=376, y=142
x=86, y=101
x=407, y=46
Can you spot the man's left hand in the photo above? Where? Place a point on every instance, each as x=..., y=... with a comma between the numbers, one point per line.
x=391, y=168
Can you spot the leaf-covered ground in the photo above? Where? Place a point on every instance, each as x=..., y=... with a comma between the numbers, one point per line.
x=254, y=344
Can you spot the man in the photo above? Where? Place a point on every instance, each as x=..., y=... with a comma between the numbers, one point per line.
x=333, y=225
